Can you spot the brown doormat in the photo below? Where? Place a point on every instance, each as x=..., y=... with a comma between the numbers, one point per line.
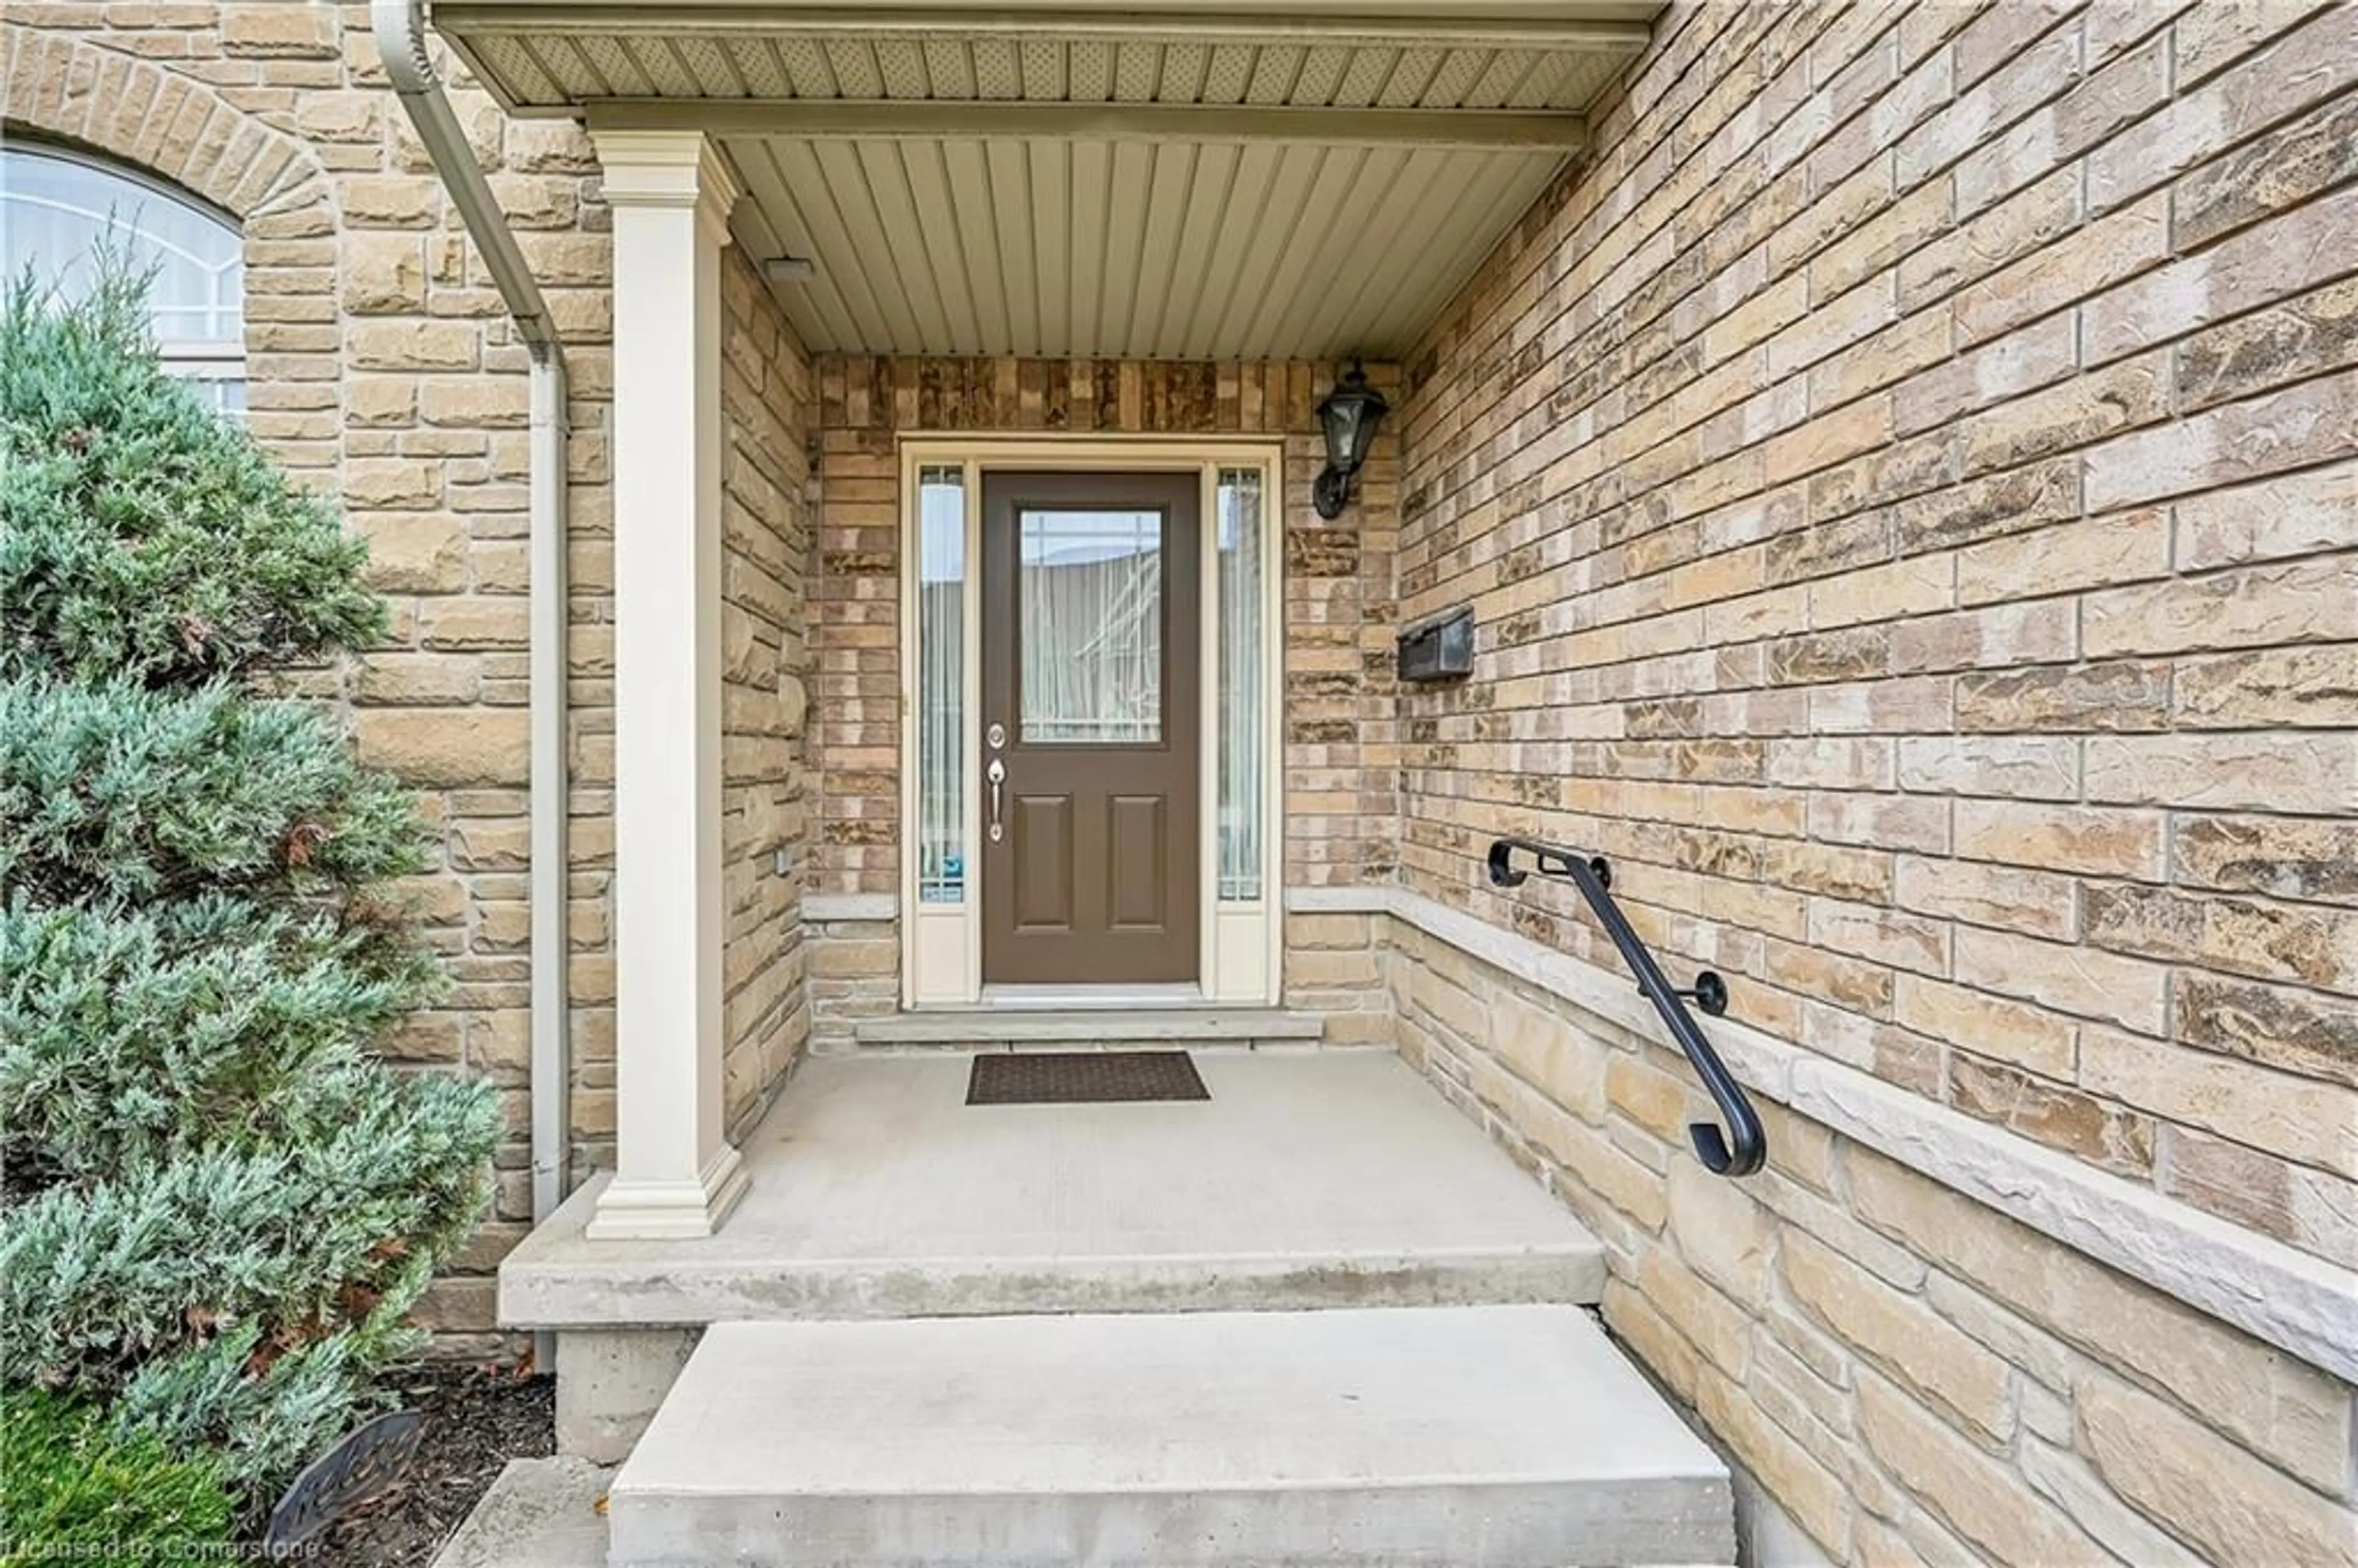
x=1082, y=1077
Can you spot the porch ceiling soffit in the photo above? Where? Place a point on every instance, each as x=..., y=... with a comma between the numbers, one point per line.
x=555, y=55
x=1078, y=178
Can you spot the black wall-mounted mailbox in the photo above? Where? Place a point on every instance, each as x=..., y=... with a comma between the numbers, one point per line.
x=1439, y=647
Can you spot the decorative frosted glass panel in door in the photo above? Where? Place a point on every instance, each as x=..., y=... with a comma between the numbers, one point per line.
x=1089, y=604
x=1242, y=765
x=941, y=684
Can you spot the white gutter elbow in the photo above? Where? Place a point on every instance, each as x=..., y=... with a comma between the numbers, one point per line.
x=400, y=27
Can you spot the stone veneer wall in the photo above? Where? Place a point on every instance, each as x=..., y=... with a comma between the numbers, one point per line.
x=1913, y=1376
x=768, y=395
x=1904, y=476
x=1334, y=965
x=1340, y=759
x=382, y=369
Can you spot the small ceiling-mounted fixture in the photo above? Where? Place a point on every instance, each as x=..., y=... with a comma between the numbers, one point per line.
x=1348, y=416
x=789, y=269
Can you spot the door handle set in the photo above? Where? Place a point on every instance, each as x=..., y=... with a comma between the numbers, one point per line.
x=997, y=775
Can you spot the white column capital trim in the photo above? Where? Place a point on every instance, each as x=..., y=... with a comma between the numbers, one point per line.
x=666, y=169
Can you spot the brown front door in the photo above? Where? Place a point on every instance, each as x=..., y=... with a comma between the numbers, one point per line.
x=1089, y=691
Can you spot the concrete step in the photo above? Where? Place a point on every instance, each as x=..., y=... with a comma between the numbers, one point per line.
x=1309, y=1179
x=1427, y=1437
x=538, y=1513
x=1082, y=1028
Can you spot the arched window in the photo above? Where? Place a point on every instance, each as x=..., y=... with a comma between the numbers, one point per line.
x=55, y=204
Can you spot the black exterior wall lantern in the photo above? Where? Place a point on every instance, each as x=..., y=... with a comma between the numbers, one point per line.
x=1349, y=416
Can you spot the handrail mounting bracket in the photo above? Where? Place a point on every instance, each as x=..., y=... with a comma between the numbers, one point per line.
x=1742, y=1148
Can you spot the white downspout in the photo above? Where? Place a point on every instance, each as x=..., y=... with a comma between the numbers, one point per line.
x=400, y=27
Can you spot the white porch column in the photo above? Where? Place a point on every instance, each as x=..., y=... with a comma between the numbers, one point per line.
x=675, y=1175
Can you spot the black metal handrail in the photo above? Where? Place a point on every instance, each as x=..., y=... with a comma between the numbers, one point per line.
x=1743, y=1148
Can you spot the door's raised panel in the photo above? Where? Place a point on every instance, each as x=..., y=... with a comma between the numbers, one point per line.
x=1044, y=857
x=1138, y=889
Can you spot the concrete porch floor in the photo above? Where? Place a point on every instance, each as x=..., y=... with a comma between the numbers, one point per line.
x=1308, y=1180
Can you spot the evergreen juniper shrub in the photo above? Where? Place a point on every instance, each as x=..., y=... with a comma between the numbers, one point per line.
x=218, y=1206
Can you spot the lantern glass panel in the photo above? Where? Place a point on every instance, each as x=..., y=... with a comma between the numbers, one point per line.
x=1341, y=413
x=1363, y=431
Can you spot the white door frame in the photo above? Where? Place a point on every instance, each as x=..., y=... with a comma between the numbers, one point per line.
x=941, y=943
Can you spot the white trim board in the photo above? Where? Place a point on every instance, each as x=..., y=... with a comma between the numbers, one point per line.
x=2301, y=1304
x=1239, y=942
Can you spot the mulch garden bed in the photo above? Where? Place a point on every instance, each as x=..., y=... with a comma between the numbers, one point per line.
x=477, y=1419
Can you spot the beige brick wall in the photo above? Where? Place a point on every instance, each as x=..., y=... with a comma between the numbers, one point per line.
x=1912, y=1375
x=1905, y=480
x=1340, y=759
x=381, y=367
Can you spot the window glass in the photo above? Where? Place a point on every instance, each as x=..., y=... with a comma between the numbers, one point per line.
x=1089, y=594
x=1241, y=680
x=55, y=208
x=941, y=686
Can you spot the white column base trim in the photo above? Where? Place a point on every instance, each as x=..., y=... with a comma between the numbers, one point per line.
x=645, y=1211
x=2299, y=1303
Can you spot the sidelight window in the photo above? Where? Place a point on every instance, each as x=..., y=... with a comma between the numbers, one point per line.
x=1243, y=767
x=941, y=684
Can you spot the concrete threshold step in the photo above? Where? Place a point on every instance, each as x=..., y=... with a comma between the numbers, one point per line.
x=1309, y=1179
x=1011, y=1028
x=1429, y=1437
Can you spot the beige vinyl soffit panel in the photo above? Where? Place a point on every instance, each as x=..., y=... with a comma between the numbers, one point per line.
x=538, y=54
x=845, y=119
x=1125, y=249
x=1595, y=23
x=1077, y=178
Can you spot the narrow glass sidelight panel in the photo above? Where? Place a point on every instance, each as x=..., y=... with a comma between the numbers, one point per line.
x=1243, y=767
x=1090, y=612
x=941, y=686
